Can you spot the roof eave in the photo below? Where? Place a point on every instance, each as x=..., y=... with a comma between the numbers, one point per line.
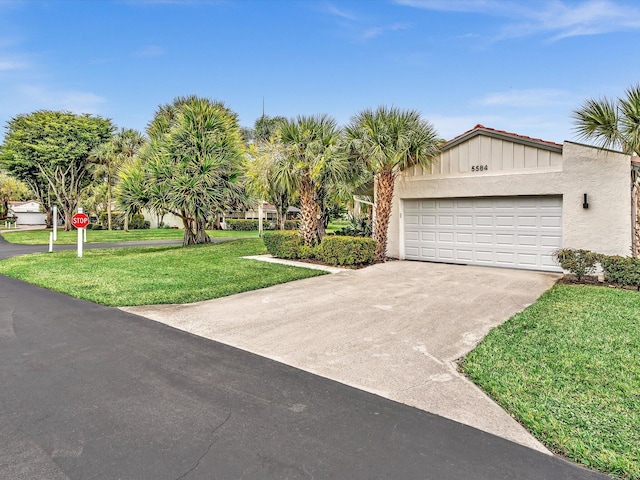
x=501, y=136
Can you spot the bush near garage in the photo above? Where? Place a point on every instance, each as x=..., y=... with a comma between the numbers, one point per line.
x=578, y=262
x=334, y=250
x=347, y=251
x=621, y=270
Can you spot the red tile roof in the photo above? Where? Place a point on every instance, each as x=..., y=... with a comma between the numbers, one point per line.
x=503, y=132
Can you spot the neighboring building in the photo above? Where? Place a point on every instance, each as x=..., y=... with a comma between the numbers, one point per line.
x=500, y=199
x=27, y=213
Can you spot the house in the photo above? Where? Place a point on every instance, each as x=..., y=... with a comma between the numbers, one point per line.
x=501, y=199
x=27, y=213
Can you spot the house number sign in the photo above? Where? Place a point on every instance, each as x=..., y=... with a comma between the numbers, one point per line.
x=479, y=168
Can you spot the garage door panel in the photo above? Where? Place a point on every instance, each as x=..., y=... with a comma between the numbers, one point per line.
x=515, y=232
x=412, y=236
x=428, y=219
x=505, y=239
x=554, y=241
x=484, y=221
x=464, y=238
x=547, y=221
x=445, y=237
x=464, y=255
x=484, y=238
x=464, y=220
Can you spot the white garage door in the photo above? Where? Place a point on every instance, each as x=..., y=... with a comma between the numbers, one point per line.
x=512, y=232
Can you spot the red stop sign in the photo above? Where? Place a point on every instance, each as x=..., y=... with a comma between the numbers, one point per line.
x=80, y=220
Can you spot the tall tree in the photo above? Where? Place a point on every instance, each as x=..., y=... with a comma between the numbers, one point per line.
x=611, y=123
x=110, y=156
x=52, y=148
x=387, y=141
x=190, y=167
x=313, y=160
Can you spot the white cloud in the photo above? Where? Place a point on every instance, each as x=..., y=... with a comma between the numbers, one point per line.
x=377, y=31
x=6, y=65
x=339, y=12
x=554, y=18
x=526, y=98
x=36, y=97
x=150, y=51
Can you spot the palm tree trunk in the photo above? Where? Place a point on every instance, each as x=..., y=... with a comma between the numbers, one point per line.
x=308, y=214
x=202, y=236
x=189, y=238
x=384, y=196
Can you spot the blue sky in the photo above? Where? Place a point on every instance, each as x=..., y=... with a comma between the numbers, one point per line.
x=520, y=66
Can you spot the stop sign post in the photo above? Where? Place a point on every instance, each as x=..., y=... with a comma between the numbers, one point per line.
x=80, y=221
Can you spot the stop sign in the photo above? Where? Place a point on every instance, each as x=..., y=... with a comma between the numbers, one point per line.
x=80, y=220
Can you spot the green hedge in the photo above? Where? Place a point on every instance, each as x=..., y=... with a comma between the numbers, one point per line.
x=283, y=244
x=246, y=225
x=347, y=251
x=622, y=270
x=334, y=250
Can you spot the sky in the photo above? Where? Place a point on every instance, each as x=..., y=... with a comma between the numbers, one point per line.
x=520, y=66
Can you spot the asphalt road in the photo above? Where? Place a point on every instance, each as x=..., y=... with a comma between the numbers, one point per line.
x=90, y=392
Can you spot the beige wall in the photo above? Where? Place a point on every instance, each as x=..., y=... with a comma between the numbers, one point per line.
x=604, y=227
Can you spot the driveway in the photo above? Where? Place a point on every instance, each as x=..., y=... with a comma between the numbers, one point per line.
x=394, y=329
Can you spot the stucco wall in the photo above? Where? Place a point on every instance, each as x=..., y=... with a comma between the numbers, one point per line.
x=604, y=227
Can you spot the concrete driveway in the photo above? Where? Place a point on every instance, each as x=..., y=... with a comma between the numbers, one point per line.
x=394, y=329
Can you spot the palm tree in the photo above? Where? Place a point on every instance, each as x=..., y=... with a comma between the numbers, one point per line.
x=611, y=124
x=190, y=167
x=313, y=161
x=387, y=141
x=110, y=157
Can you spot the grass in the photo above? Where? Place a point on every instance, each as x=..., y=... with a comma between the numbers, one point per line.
x=568, y=368
x=41, y=237
x=150, y=275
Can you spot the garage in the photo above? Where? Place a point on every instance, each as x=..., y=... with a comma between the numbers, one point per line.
x=501, y=199
x=511, y=232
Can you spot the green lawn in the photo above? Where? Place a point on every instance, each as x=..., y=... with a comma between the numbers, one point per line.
x=568, y=368
x=41, y=237
x=149, y=275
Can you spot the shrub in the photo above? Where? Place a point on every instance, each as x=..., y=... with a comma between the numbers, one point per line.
x=291, y=224
x=138, y=222
x=356, y=227
x=247, y=225
x=117, y=220
x=96, y=226
x=578, y=262
x=622, y=270
x=283, y=244
x=348, y=251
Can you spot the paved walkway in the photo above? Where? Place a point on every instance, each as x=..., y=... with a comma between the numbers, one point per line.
x=394, y=329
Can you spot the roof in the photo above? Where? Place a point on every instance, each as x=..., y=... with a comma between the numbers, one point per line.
x=503, y=135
